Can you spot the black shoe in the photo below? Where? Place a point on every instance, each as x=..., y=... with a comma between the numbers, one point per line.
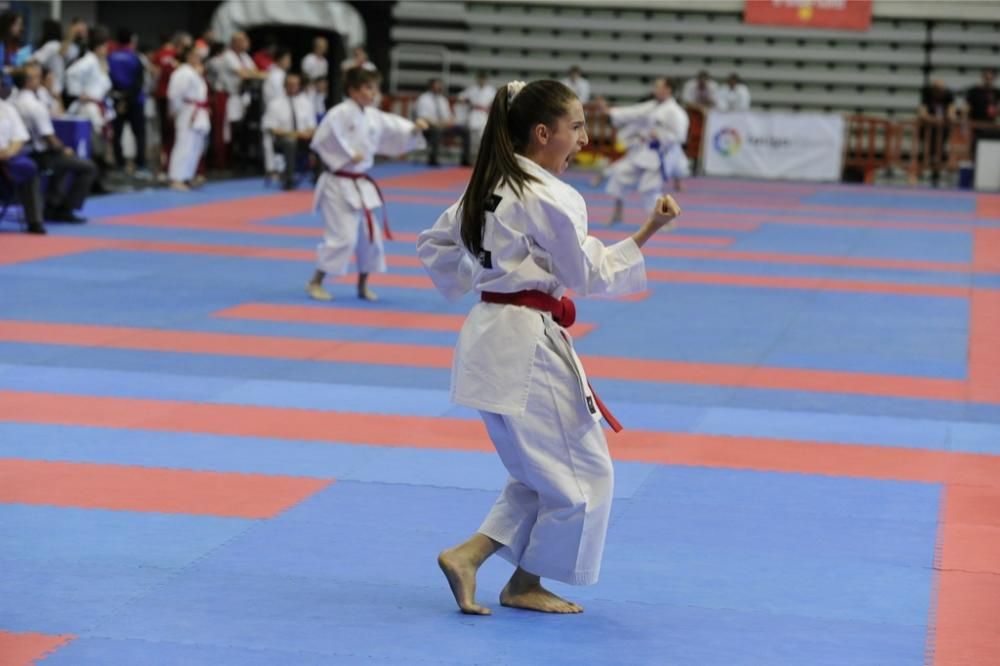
x=64, y=215
x=36, y=228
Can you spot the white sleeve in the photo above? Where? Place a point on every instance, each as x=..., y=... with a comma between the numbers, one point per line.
x=583, y=92
x=425, y=108
x=743, y=93
x=398, y=135
x=310, y=122
x=45, y=52
x=582, y=262
x=41, y=119
x=271, y=116
x=330, y=143
x=448, y=262
x=74, y=79
x=18, y=130
x=625, y=115
x=671, y=126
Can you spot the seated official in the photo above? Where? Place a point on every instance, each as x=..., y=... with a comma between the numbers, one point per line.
x=18, y=169
x=291, y=122
x=433, y=108
x=72, y=176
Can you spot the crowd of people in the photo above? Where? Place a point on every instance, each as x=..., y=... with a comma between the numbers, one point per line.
x=157, y=114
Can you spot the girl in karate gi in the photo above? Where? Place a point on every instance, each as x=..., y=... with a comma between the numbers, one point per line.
x=87, y=80
x=187, y=93
x=519, y=236
x=347, y=140
x=657, y=130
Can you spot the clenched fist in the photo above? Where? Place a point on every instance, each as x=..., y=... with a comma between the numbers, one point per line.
x=664, y=212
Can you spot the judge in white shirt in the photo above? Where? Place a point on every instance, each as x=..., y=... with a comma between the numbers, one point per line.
x=578, y=84
x=479, y=98
x=72, y=176
x=700, y=92
x=20, y=169
x=733, y=96
x=290, y=121
x=434, y=108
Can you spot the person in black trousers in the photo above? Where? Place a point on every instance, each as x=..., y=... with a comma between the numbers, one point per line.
x=72, y=176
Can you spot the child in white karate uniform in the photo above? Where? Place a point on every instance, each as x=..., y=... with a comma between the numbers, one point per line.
x=519, y=236
x=347, y=140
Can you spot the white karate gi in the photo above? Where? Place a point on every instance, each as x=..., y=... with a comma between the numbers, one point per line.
x=518, y=367
x=345, y=130
x=88, y=78
x=646, y=166
x=735, y=98
x=192, y=123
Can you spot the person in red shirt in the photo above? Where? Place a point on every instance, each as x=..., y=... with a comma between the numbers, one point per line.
x=165, y=61
x=264, y=57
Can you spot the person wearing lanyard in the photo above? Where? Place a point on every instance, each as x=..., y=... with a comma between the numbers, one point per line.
x=435, y=110
x=518, y=236
x=291, y=122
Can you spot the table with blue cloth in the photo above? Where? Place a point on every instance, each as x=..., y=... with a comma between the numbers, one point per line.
x=75, y=133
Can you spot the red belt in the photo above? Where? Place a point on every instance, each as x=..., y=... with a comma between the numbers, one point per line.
x=368, y=213
x=563, y=311
x=197, y=105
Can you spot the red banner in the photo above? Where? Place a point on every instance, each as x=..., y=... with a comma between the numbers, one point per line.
x=835, y=14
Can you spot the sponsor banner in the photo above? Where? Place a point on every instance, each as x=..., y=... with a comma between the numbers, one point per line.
x=795, y=146
x=828, y=14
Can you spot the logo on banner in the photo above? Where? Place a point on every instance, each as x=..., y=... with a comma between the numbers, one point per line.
x=727, y=141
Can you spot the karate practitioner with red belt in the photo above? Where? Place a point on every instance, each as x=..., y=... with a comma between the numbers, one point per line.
x=347, y=140
x=519, y=237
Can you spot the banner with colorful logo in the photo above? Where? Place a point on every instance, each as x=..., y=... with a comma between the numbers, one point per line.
x=829, y=14
x=794, y=146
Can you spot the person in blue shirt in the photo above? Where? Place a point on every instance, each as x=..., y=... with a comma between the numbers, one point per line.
x=127, y=74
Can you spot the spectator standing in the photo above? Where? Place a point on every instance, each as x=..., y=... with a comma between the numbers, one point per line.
x=578, y=84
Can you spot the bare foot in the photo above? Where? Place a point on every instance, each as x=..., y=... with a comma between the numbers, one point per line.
x=367, y=294
x=179, y=186
x=461, y=574
x=537, y=598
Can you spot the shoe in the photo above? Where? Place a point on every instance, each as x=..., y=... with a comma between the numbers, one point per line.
x=36, y=228
x=64, y=215
x=143, y=174
x=317, y=292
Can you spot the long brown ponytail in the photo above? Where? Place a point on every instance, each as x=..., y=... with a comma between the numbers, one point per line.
x=508, y=131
